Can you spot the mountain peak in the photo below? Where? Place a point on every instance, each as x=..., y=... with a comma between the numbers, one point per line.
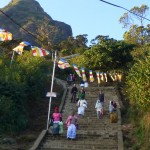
x=31, y=16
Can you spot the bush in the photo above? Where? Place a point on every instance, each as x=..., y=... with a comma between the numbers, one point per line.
x=138, y=92
x=20, y=84
x=138, y=86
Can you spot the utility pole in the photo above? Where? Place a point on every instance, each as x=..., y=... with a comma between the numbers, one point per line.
x=51, y=91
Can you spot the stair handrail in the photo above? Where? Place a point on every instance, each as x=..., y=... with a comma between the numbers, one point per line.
x=44, y=133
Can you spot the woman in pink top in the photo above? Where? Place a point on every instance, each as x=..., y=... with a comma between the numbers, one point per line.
x=72, y=119
x=71, y=123
x=56, y=116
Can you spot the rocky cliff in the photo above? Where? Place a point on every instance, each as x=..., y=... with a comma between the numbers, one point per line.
x=28, y=14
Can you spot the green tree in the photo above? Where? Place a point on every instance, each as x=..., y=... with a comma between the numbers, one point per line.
x=138, y=92
x=20, y=85
x=137, y=34
x=34, y=72
x=136, y=12
x=73, y=45
x=13, y=117
x=137, y=86
x=107, y=54
x=81, y=40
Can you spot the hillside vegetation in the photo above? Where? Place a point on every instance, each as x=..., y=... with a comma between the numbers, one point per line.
x=26, y=80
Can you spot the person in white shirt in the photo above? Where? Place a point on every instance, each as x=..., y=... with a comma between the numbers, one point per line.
x=99, y=109
x=82, y=105
x=112, y=106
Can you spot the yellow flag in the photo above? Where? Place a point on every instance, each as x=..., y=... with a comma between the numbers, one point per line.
x=98, y=76
x=91, y=76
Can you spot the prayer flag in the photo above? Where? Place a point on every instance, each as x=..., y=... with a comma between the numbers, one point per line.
x=5, y=35
x=119, y=77
x=36, y=51
x=22, y=46
x=101, y=76
x=24, y=43
x=83, y=74
x=98, y=76
x=91, y=76
x=62, y=63
x=77, y=70
x=111, y=77
x=105, y=75
x=18, y=49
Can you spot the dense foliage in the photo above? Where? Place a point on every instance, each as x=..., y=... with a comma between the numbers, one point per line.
x=138, y=91
x=26, y=79
x=73, y=45
x=21, y=83
x=107, y=54
x=138, y=86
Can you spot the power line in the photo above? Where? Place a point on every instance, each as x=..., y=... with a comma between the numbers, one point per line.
x=124, y=9
x=19, y=25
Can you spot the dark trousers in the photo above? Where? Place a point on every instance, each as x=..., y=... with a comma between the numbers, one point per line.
x=73, y=97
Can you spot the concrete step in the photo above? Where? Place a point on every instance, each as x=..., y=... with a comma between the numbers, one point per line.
x=93, y=133
x=81, y=142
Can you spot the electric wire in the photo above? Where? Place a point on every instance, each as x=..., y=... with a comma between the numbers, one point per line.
x=15, y=22
x=124, y=9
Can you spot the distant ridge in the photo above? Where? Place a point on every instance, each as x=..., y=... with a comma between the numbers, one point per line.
x=31, y=16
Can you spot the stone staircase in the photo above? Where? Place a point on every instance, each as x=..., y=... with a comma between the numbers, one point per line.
x=93, y=133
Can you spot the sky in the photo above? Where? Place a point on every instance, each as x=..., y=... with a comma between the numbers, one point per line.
x=91, y=17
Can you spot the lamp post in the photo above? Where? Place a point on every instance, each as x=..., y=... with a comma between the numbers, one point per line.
x=52, y=83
